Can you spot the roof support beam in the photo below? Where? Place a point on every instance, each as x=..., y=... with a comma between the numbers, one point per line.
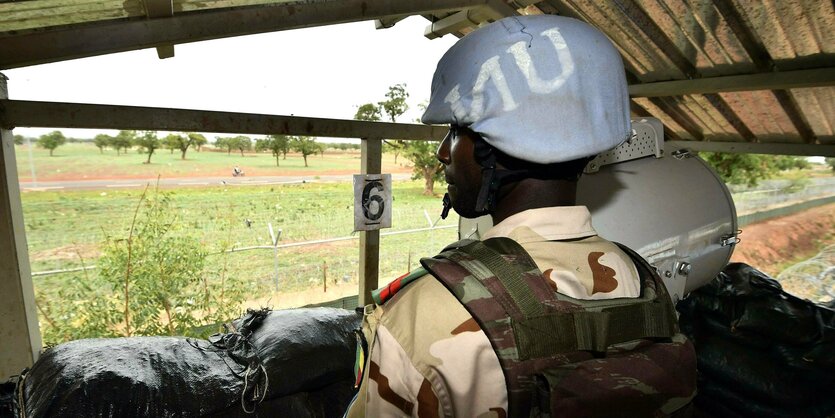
x=783, y=80
x=18, y=113
x=18, y=310
x=795, y=115
x=731, y=116
x=811, y=150
x=38, y=47
x=658, y=37
x=160, y=8
x=493, y=10
x=672, y=108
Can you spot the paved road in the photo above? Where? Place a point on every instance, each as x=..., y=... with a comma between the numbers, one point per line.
x=188, y=182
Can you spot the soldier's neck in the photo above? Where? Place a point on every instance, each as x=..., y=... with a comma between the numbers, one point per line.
x=533, y=194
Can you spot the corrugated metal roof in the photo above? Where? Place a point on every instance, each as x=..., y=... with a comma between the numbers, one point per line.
x=663, y=40
x=695, y=42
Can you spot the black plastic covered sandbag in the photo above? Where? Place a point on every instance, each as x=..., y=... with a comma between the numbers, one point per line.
x=290, y=363
x=7, y=399
x=761, y=352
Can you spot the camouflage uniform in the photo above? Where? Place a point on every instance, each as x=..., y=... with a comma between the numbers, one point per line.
x=429, y=357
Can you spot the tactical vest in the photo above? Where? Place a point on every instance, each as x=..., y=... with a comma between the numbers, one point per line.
x=564, y=357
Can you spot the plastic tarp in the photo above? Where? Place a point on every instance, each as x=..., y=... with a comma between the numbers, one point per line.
x=761, y=351
x=290, y=363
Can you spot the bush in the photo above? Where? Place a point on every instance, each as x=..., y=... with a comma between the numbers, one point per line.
x=150, y=282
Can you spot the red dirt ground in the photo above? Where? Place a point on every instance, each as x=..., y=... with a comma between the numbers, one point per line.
x=770, y=245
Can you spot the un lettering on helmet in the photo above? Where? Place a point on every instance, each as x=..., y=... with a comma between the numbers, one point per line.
x=543, y=88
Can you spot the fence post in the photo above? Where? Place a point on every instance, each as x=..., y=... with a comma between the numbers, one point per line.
x=369, y=268
x=275, y=239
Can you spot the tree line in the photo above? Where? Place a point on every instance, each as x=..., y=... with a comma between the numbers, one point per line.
x=149, y=142
x=733, y=168
x=278, y=145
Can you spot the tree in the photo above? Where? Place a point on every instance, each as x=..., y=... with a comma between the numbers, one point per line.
x=305, y=145
x=242, y=143
x=148, y=142
x=369, y=112
x=180, y=142
x=395, y=106
x=170, y=143
x=18, y=139
x=101, y=141
x=123, y=140
x=51, y=141
x=227, y=143
x=198, y=140
x=220, y=143
x=277, y=144
x=831, y=162
x=749, y=169
x=788, y=162
x=426, y=164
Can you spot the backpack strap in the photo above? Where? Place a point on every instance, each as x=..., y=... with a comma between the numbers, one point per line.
x=543, y=327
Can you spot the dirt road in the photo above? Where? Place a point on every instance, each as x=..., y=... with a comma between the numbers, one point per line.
x=775, y=244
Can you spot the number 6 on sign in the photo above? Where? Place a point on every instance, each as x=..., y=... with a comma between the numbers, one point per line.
x=372, y=201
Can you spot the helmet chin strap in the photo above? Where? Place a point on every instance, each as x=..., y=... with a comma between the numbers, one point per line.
x=447, y=206
x=486, y=157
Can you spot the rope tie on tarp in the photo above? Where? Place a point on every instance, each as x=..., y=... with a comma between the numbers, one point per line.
x=21, y=400
x=235, y=343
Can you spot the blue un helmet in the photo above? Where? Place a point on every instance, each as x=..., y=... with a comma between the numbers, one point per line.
x=543, y=89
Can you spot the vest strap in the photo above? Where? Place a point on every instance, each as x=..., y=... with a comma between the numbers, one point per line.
x=540, y=333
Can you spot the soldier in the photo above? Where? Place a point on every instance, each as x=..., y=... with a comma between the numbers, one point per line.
x=568, y=324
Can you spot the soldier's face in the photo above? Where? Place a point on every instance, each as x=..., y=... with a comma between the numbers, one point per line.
x=462, y=172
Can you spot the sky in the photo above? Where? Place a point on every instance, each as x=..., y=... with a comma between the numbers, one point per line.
x=320, y=72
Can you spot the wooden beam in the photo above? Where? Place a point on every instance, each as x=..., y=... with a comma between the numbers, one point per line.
x=826, y=150
x=19, y=330
x=160, y=8
x=369, y=274
x=20, y=113
x=820, y=77
x=63, y=43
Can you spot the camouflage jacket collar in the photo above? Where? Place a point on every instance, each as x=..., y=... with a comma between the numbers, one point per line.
x=556, y=223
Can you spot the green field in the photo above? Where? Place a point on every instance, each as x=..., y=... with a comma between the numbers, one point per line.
x=67, y=229
x=83, y=161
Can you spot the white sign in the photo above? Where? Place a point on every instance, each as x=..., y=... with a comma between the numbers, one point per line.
x=372, y=201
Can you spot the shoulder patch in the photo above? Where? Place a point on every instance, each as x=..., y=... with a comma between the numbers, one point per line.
x=385, y=293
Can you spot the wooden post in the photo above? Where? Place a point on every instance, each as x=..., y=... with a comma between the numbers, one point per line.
x=372, y=163
x=325, y=275
x=19, y=332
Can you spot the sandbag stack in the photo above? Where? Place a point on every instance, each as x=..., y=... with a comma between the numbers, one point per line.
x=761, y=351
x=291, y=363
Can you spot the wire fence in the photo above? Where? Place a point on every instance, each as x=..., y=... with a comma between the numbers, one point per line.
x=813, y=279
x=776, y=193
x=317, y=252
x=243, y=226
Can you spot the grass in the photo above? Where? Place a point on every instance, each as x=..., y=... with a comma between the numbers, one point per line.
x=66, y=227
x=80, y=161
